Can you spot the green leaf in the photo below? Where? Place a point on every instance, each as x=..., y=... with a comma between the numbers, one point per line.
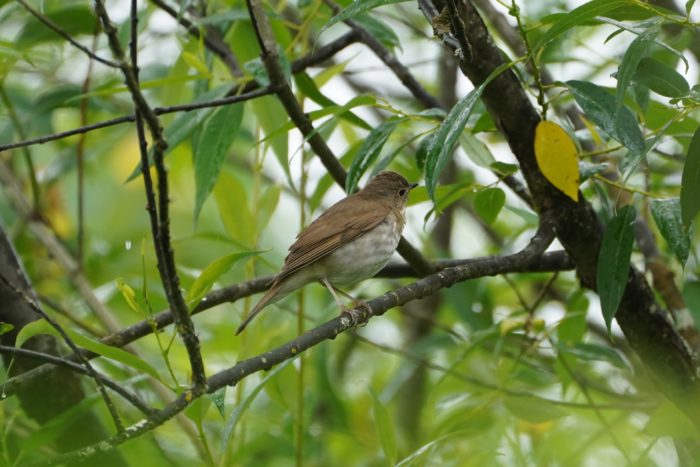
x=369, y=151
x=669, y=420
x=308, y=86
x=661, y=78
x=219, y=400
x=689, y=6
x=579, y=16
x=185, y=124
x=232, y=202
x=385, y=429
x=271, y=115
x=214, y=142
x=211, y=273
x=488, y=203
x=129, y=295
x=667, y=215
x=636, y=50
x=690, y=182
x=439, y=146
x=532, y=409
x=587, y=169
x=614, y=261
x=114, y=353
x=266, y=206
x=243, y=405
x=594, y=352
x=5, y=328
x=357, y=7
x=599, y=106
x=477, y=151
x=379, y=30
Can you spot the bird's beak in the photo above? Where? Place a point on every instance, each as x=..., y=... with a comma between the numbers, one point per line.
x=412, y=186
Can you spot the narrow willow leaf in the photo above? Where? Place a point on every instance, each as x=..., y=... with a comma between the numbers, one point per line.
x=488, y=203
x=439, y=146
x=243, y=405
x=599, y=106
x=633, y=55
x=690, y=182
x=74, y=19
x=579, y=16
x=533, y=410
x=661, y=78
x=5, y=328
x=385, y=429
x=379, y=30
x=216, y=139
x=357, y=7
x=614, y=262
x=369, y=151
x=557, y=157
x=211, y=273
x=668, y=420
x=667, y=215
x=308, y=86
x=477, y=151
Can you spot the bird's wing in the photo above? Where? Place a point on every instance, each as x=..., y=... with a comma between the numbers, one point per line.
x=340, y=224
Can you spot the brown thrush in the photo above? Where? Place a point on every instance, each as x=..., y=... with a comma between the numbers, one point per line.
x=348, y=243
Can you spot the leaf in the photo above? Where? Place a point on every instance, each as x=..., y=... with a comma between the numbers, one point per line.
x=579, y=16
x=690, y=182
x=122, y=356
x=599, y=106
x=439, y=146
x=185, y=124
x=211, y=273
x=385, y=429
x=369, y=151
x=214, y=142
x=243, y=405
x=667, y=215
x=594, y=352
x=219, y=400
x=232, y=202
x=477, y=151
x=557, y=157
x=633, y=55
x=308, y=86
x=588, y=170
x=266, y=206
x=357, y=7
x=689, y=6
x=661, y=78
x=533, y=410
x=614, y=262
x=5, y=328
x=488, y=203
x=379, y=30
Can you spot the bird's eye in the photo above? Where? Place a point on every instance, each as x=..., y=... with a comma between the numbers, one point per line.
x=402, y=191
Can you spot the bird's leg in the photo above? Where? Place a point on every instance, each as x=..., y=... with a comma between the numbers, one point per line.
x=355, y=317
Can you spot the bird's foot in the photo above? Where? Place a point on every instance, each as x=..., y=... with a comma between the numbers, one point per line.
x=355, y=314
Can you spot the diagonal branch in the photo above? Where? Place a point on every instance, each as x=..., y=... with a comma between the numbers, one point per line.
x=548, y=262
x=428, y=285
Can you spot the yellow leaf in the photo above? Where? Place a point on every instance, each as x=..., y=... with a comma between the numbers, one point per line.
x=557, y=157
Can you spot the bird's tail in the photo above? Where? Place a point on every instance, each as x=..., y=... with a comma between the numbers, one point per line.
x=267, y=299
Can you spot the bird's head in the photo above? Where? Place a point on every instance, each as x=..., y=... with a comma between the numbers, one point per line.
x=389, y=186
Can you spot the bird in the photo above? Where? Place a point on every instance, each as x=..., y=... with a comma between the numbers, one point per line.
x=351, y=241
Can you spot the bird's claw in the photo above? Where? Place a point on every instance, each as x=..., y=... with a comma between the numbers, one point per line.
x=355, y=314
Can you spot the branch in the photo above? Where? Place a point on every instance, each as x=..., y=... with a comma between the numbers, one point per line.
x=160, y=220
x=548, y=262
x=328, y=330
x=239, y=93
